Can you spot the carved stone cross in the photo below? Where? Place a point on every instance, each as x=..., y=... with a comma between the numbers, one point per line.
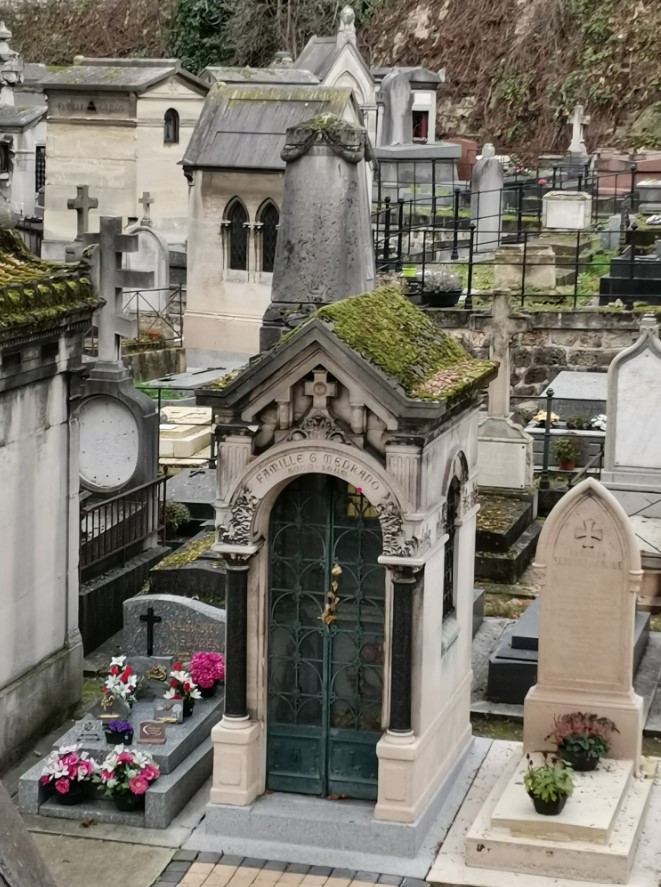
x=501, y=328
x=579, y=120
x=151, y=619
x=590, y=532
x=320, y=389
x=146, y=201
x=112, y=279
x=82, y=203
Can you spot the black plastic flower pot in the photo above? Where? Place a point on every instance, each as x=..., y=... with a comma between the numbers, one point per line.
x=113, y=738
x=441, y=300
x=208, y=692
x=549, y=808
x=581, y=762
x=127, y=802
x=78, y=792
x=189, y=705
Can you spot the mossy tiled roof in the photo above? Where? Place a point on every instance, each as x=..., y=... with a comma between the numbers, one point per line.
x=401, y=341
x=37, y=294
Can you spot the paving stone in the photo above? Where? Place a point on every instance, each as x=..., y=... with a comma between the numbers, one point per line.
x=275, y=866
x=228, y=859
x=391, y=880
x=185, y=856
x=413, y=882
x=179, y=866
x=249, y=862
x=368, y=877
x=343, y=873
x=206, y=857
x=320, y=870
x=297, y=869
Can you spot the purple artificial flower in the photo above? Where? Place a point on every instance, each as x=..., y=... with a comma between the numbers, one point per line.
x=119, y=727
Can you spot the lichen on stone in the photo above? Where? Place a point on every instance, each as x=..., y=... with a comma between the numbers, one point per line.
x=186, y=555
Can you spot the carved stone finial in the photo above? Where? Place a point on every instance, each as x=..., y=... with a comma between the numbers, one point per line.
x=346, y=32
x=488, y=151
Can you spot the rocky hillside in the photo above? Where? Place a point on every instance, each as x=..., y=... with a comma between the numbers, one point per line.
x=511, y=66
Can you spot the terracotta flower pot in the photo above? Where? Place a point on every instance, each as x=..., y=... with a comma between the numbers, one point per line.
x=566, y=464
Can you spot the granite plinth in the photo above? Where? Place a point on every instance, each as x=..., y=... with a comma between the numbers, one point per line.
x=185, y=626
x=185, y=760
x=513, y=667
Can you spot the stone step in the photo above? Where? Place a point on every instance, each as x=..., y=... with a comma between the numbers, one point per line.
x=508, y=566
x=501, y=521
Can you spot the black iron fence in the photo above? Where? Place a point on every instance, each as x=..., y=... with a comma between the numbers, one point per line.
x=116, y=529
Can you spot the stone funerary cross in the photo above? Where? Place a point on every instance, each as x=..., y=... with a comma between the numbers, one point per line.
x=320, y=390
x=112, y=279
x=579, y=120
x=82, y=203
x=146, y=201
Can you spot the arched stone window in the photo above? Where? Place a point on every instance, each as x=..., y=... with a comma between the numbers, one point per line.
x=452, y=511
x=171, y=127
x=269, y=216
x=237, y=219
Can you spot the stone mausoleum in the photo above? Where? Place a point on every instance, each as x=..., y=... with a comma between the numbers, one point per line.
x=346, y=513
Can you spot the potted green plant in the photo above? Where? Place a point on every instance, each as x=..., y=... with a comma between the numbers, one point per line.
x=441, y=288
x=564, y=451
x=582, y=739
x=578, y=423
x=549, y=785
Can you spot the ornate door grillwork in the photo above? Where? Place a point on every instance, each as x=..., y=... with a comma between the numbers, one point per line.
x=325, y=681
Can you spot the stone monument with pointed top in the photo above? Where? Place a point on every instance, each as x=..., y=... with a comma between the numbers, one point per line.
x=487, y=183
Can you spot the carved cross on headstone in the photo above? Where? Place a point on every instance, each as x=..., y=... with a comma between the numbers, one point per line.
x=146, y=201
x=82, y=203
x=151, y=619
x=579, y=120
x=320, y=389
x=112, y=279
x=590, y=532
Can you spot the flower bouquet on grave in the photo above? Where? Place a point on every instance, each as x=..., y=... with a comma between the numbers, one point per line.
x=548, y=785
x=69, y=772
x=540, y=419
x=207, y=671
x=120, y=685
x=118, y=732
x=126, y=775
x=582, y=739
x=183, y=687
x=599, y=422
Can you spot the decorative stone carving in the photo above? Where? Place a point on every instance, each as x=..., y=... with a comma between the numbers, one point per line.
x=469, y=497
x=239, y=531
x=317, y=426
x=392, y=529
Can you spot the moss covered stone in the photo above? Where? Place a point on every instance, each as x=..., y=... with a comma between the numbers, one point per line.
x=187, y=554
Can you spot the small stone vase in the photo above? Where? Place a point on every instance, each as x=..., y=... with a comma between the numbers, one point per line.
x=127, y=802
x=189, y=705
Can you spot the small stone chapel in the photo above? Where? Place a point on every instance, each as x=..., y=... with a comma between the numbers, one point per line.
x=346, y=513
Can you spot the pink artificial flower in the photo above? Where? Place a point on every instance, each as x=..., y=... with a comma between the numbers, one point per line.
x=138, y=785
x=62, y=786
x=44, y=780
x=105, y=775
x=125, y=757
x=70, y=760
x=150, y=772
x=84, y=769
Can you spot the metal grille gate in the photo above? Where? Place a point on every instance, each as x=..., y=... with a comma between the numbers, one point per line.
x=325, y=659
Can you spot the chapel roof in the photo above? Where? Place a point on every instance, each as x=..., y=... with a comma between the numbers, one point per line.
x=244, y=126
x=21, y=115
x=117, y=75
x=249, y=75
x=35, y=294
x=408, y=349
x=318, y=55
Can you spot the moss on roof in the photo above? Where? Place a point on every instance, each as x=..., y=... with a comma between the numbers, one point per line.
x=400, y=340
x=36, y=294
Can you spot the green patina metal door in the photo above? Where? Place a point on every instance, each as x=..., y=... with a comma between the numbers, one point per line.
x=325, y=654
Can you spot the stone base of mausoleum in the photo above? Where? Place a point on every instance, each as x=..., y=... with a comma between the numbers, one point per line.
x=604, y=835
x=31, y=704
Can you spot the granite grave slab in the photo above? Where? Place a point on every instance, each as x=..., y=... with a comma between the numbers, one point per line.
x=176, y=626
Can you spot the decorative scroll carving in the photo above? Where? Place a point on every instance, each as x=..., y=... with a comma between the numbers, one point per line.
x=239, y=531
x=469, y=497
x=392, y=529
x=317, y=426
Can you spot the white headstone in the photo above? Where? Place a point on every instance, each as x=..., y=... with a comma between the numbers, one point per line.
x=589, y=572
x=487, y=183
x=567, y=210
x=578, y=120
x=152, y=255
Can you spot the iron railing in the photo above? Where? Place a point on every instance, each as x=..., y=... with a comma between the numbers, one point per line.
x=114, y=530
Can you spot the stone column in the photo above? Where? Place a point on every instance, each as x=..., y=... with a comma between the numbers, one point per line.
x=236, y=641
x=402, y=645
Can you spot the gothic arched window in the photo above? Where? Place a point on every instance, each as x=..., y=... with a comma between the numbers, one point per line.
x=270, y=218
x=452, y=511
x=171, y=127
x=237, y=217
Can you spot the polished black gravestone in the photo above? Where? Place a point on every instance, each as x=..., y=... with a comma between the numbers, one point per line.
x=638, y=280
x=513, y=667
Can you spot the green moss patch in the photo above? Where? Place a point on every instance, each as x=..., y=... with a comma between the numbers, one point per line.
x=188, y=553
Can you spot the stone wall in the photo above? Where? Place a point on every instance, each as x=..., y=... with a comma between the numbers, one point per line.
x=585, y=340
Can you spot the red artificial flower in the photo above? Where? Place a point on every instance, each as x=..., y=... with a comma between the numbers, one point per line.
x=126, y=674
x=174, y=683
x=114, y=670
x=186, y=687
x=176, y=666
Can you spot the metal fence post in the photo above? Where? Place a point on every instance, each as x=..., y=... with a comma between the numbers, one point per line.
x=578, y=265
x=519, y=213
x=544, y=482
x=455, y=234
x=386, y=236
x=523, y=268
x=400, y=231
x=468, y=304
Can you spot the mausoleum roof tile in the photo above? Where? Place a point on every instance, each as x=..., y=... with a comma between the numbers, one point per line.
x=244, y=126
x=20, y=115
x=112, y=77
x=36, y=294
x=248, y=75
x=318, y=55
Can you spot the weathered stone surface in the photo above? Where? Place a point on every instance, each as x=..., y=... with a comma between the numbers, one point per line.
x=186, y=626
x=21, y=865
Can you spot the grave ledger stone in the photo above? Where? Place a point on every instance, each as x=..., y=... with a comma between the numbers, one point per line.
x=171, y=626
x=589, y=571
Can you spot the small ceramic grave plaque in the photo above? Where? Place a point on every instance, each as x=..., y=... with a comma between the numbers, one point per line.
x=152, y=733
x=90, y=732
x=169, y=711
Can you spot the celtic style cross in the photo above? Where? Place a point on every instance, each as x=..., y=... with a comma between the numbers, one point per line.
x=320, y=389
